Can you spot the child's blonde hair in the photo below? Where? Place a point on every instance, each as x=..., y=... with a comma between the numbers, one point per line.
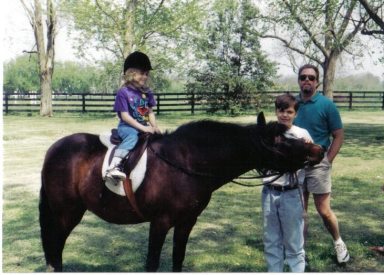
x=127, y=79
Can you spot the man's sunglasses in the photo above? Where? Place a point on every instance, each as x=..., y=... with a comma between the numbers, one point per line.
x=303, y=77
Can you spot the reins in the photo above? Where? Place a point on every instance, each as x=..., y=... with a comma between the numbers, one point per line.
x=207, y=175
x=182, y=169
x=277, y=176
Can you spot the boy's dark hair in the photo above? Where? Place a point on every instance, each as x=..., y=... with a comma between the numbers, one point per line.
x=284, y=101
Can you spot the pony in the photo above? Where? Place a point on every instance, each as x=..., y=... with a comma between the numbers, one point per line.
x=184, y=168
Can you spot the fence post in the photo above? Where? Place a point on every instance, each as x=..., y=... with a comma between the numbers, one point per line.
x=193, y=103
x=158, y=104
x=6, y=102
x=83, y=99
x=382, y=105
x=350, y=100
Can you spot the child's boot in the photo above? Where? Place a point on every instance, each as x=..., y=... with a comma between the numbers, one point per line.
x=114, y=169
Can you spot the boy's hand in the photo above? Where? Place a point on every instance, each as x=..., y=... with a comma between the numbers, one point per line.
x=307, y=140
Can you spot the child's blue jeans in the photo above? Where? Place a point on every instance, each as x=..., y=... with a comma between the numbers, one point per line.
x=129, y=135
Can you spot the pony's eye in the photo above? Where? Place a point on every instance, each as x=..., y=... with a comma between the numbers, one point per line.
x=278, y=139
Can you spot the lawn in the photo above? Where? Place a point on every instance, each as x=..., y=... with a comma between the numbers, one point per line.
x=227, y=236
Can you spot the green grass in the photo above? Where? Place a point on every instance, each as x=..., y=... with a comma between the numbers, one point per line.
x=227, y=236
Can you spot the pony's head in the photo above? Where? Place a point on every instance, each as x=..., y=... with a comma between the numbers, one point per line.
x=284, y=153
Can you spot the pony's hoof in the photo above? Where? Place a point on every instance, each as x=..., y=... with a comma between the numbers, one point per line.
x=50, y=268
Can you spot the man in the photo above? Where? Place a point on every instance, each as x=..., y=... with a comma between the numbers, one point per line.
x=320, y=117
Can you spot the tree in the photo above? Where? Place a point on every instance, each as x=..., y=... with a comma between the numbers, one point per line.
x=116, y=28
x=71, y=77
x=372, y=8
x=21, y=75
x=318, y=30
x=45, y=49
x=232, y=68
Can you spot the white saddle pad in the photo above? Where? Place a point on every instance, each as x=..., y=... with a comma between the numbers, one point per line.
x=136, y=176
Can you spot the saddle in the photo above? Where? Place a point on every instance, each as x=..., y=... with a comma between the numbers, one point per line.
x=130, y=162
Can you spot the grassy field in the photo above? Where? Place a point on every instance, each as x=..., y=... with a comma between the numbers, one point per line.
x=227, y=236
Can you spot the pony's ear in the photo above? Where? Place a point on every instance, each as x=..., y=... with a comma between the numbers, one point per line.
x=261, y=120
x=275, y=129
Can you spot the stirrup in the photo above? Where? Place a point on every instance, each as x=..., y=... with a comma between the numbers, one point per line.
x=115, y=173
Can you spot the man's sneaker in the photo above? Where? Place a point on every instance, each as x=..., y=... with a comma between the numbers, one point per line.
x=115, y=173
x=342, y=252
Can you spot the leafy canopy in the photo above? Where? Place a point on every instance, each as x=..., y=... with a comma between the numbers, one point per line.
x=233, y=69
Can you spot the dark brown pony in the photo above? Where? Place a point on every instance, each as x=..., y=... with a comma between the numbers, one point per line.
x=183, y=169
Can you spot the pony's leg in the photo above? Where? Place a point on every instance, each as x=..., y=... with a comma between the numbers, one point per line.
x=55, y=229
x=180, y=239
x=157, y=233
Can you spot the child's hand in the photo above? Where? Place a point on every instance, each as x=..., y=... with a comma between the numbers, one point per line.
x=157, y=130
x=149, y=129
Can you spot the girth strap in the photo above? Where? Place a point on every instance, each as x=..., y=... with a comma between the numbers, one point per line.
x=131, y=197
x=129, y=164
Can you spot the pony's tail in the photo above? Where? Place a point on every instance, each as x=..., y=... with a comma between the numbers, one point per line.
x=47, y=226
x=45, y=216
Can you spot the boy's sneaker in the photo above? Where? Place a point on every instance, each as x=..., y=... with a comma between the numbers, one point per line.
x=115, y=173
x=341, y=252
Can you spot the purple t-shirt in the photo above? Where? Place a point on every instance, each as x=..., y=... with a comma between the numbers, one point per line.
x=136, y=103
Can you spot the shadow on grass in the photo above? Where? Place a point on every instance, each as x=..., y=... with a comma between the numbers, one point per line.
x=95, y=245
x=359, y=207
x=227, y=236
x=360, y=138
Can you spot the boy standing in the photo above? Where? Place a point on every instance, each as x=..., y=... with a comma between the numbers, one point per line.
x=282, y=203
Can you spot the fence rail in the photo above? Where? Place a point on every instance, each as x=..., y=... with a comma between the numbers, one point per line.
x=169, y=102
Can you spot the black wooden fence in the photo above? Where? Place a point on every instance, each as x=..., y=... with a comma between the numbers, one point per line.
x=169, y=102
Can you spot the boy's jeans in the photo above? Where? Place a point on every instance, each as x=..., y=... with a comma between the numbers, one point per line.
x=283, y=229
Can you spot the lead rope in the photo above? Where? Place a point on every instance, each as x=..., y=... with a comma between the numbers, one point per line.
x=300, y=189
x=301, y=194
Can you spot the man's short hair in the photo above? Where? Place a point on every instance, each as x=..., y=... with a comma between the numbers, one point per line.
x=310, y=66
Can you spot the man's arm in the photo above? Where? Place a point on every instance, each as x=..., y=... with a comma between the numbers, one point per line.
x=337, y=142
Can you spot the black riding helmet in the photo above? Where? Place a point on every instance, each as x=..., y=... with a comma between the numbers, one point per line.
x=137, y=60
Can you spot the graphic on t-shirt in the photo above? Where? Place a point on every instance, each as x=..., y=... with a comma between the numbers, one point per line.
x=140, y=110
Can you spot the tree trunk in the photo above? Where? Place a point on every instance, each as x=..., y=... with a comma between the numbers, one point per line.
x=46, y=95
x=129, y=27
x=329, y=69
x=45, y=52
x=47, y=62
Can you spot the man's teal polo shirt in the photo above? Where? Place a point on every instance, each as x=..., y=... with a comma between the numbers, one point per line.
x=320, y=117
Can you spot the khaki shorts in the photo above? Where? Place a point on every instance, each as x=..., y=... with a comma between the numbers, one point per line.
x=318, y=178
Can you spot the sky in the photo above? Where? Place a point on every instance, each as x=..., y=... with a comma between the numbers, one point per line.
x=17, y=36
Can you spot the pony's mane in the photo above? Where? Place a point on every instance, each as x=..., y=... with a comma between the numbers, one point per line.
x=208, y=126
x=206, y=130
x=205, y=133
